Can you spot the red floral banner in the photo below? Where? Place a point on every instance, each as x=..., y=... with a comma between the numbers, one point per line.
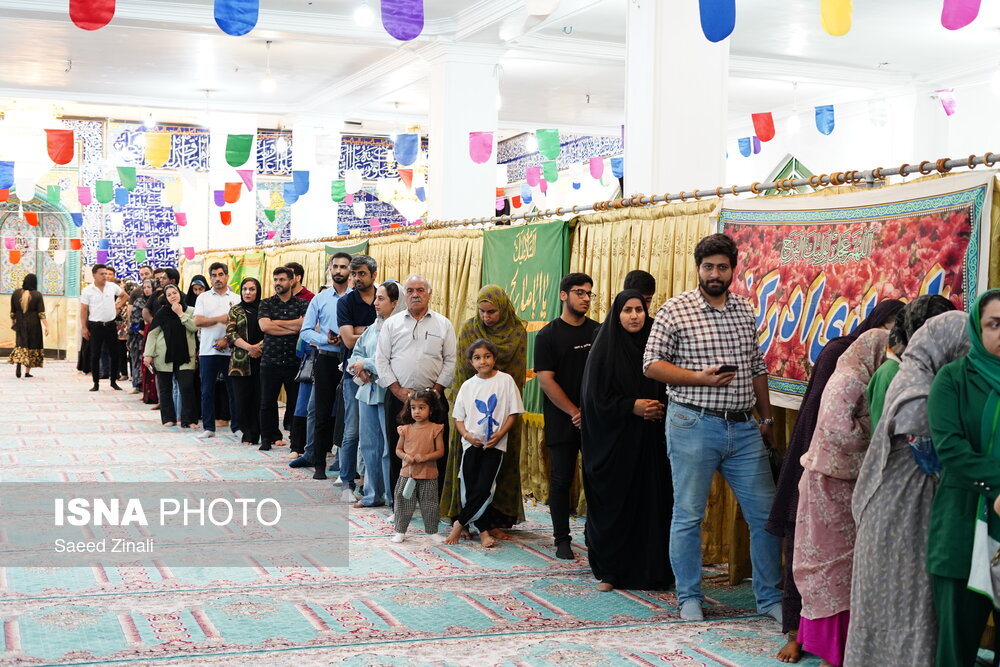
x=813, y=268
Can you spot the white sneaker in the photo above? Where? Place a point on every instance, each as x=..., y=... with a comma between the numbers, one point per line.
x=206, y=434
x=398, y=537
x=437, y=537
x=347, y=496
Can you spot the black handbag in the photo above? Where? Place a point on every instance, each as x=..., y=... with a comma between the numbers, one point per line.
x=306, y=368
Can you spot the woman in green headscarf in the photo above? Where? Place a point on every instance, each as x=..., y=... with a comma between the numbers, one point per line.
x=496, y=321
x=964, y=411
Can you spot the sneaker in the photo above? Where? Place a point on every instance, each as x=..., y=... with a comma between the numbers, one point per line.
x=398, y=537
x=564, y=551
x=347, y=496
x=691, y=611
x=301, y=462
x=437, y=537
x=266, y=447
x=206, y=434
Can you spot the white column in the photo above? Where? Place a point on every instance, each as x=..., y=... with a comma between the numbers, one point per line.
x=316, y=149
x=463, y=99
x=676, y=100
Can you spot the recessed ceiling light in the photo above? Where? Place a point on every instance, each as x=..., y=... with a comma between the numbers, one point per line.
x=363, y=15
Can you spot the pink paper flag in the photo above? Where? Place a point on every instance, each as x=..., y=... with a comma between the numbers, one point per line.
x=349, y=199
x=480, y=146
x=959, y=13
x=375, y=224
x=181, y=218
x=544, y=185
x=596, y=167
x=533, y=175
x=247, y=176
x=188, y=252
x=84, y=196
x=501, y=202
x=9, y=242
x=270, y=234
x=948, y=101
x=140, y=243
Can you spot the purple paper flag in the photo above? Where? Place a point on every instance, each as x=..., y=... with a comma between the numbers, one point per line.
x=480, y=146
x=532, y=175
x=220, y=197
x=948, y=101
x=403, y=19
x=102, y=256
x=596, y=167
x=756, y=144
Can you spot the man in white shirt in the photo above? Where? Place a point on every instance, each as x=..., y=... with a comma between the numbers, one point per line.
x=98, y=309
x=416, y=350
x=211, y=313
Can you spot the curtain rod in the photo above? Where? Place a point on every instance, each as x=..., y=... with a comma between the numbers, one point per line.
x=852, y=177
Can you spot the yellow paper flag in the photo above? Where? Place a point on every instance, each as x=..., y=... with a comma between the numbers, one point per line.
x=157, y=148
x=174, y=192
x=836, y=16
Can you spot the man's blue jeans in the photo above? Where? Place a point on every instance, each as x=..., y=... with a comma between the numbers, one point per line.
x=211, y=365
x=374, y=447
x=698, y=445
x=349, y=443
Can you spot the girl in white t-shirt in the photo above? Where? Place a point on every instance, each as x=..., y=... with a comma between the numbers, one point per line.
x=485, y=409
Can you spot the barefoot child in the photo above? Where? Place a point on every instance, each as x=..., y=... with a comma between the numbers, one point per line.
x=421, y=444
x=485, y=409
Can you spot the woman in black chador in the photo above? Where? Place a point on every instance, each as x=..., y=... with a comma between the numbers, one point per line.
x=27, y=316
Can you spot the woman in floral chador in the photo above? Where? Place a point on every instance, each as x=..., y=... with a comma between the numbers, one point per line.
x=27, y=316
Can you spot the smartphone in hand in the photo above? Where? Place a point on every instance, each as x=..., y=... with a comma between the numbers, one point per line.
x=727, y=368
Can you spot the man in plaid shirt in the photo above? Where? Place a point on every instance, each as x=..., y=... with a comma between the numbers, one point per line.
x=703, y=346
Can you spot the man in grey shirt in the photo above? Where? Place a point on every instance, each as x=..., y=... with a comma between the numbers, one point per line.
x=416, y=350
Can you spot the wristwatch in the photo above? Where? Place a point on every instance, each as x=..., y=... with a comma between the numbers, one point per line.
x=769, y=421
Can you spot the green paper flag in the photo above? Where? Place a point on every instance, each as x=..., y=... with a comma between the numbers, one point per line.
x=54, y=194
x=238, y=149
x=338, y=190
x=104, y=191
x=548, y=143
x=269, y=212
x=140, y=255
x=550, y=171
x=127, y=176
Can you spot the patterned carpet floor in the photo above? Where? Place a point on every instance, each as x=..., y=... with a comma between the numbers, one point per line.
x=415, y=603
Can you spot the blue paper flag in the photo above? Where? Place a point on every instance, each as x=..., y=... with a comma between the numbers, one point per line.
x=103, y=244
x=236, y=17
x=77, y=219
x=343, y=229
x=824, y=119
x=301, y=181
x=618, y=166
x=756, y=145
x=576, y=186
x=421, y=194
x=290, y=192
x=718, y=18
x=121, y=196
x=407, y=146
x=744, y=146
x=526, y=194
x=6, y=175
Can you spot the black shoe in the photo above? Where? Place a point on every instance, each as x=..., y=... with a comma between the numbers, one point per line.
x=28, y=375
x=320, y=470
x=95, y=387
x=564, y=551
x=266, y=447
x=17, y=371
x=114, y=385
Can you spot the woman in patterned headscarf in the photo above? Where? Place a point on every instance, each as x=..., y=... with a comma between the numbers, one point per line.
x=496, y=321
x=27, y=317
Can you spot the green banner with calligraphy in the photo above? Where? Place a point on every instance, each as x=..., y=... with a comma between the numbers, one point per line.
x=247, y=265
x=528, y=262
x=351, y=249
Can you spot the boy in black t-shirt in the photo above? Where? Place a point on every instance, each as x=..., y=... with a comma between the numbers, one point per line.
x=561, y=350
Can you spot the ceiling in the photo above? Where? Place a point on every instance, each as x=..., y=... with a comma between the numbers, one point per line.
x=167, y=57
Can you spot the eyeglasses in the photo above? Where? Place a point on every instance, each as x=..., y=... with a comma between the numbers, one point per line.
x=583, y=293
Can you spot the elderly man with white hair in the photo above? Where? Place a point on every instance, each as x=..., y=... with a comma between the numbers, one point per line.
x=416, y=350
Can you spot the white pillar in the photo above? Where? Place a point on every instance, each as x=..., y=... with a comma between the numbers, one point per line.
x=676, y=100
x=316, y=149
x=463, y=99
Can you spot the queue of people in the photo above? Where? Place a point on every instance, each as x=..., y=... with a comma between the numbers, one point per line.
x=891, y=453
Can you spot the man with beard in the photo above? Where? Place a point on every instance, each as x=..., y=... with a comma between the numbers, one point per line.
x=561, y=350
x=703, y=346
x=320, y=329
x=211, y=314
x=280, y=318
